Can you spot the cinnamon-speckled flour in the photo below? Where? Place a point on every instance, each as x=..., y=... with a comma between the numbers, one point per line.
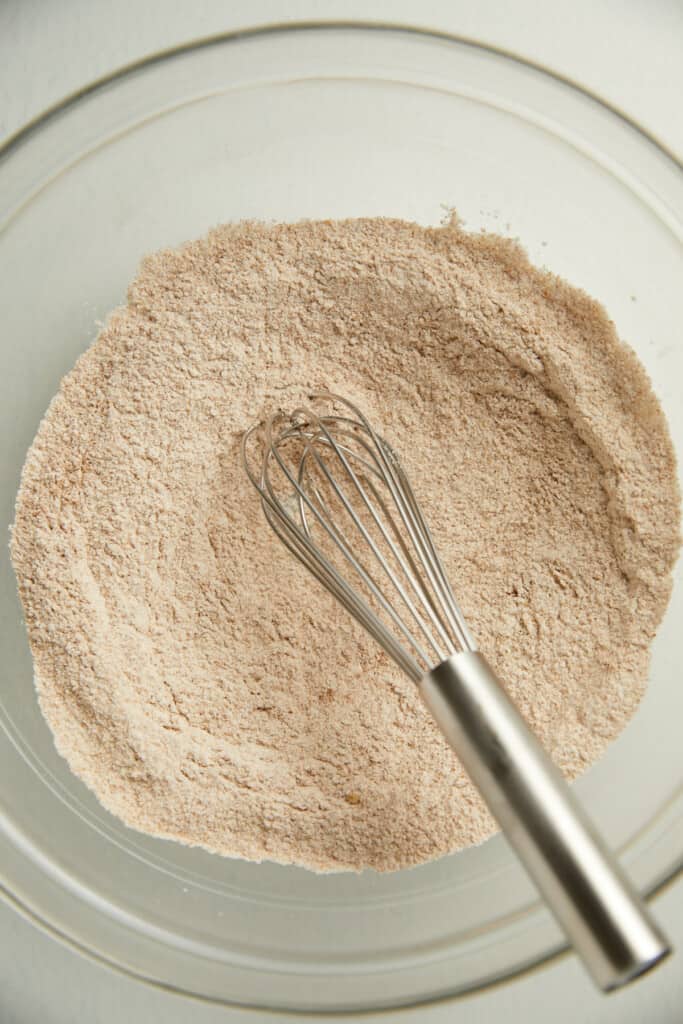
x=195, y=676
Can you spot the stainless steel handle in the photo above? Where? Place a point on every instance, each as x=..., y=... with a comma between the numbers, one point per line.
x=596, y=905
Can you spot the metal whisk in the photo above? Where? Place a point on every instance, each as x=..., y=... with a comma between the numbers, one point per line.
x=336, y=495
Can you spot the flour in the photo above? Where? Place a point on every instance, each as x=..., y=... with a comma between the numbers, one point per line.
x=193, y=674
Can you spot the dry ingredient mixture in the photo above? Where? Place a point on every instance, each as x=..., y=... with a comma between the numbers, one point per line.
x=195, y=677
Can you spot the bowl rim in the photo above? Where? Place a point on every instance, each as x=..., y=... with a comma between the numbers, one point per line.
x=55, y=110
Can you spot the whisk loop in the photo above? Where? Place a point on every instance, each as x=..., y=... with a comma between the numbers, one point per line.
x=335, y=493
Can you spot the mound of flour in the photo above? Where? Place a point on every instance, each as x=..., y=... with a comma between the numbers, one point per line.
x=194, y=675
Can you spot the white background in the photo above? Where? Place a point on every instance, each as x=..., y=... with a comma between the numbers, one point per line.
x=627, y=51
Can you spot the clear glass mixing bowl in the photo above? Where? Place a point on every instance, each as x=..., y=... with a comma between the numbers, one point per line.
x=317, y=122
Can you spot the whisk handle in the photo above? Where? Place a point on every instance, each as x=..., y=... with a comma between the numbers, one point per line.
x=603, y=917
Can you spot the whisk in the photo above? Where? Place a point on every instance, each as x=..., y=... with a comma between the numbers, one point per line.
x=336, y=495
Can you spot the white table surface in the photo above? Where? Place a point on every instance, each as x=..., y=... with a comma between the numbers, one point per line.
x=629, y=52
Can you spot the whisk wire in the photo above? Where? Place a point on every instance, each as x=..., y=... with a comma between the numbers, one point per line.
x=451, y=608
x=346, y=482
x=367, y=537
x=331, y=530
x=345, y=594
x=413, y=520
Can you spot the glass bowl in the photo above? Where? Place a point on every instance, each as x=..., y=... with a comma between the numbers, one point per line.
x=285, y=123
